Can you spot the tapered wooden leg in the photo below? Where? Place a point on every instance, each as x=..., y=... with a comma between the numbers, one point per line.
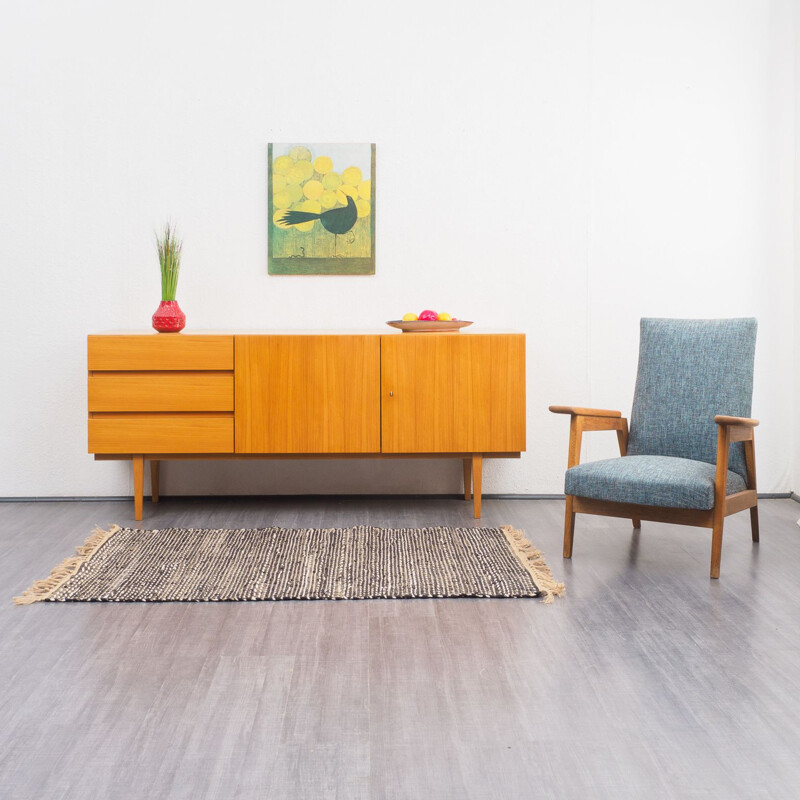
x=138, y=486
x=569, y=527
x=477, y=474
x=637, y=523
x=468, y=479
x=720, y=484
x=750, y=464
x=754, y=522
x=154, y=473
x=716, y=545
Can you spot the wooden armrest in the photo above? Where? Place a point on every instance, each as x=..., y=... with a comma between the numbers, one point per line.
x=592, y=419
x=575, y=411
x=721, y=419
x=731, y=430
x=735, y=429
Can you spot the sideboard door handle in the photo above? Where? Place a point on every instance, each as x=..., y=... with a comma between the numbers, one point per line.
x=391, y=394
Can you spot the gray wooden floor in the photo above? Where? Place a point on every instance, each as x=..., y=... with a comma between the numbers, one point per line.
x=646, y=680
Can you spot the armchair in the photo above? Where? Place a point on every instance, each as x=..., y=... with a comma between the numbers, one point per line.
x=689, y=455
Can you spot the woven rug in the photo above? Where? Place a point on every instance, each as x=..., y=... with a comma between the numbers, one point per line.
x=175, y=564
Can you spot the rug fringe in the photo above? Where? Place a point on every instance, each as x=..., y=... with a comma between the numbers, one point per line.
x=533, y=560
x=43, y=589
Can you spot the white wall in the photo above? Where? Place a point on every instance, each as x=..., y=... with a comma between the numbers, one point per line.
x=796, y=362
x=560, y=169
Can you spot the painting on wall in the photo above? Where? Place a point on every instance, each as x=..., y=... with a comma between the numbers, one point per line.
x=321, y=209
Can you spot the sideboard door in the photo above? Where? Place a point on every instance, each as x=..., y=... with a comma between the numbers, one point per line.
x=307, y=394
x=453, y=393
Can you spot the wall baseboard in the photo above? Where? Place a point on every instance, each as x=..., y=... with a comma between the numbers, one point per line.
x=343, y=497
x=241, y=497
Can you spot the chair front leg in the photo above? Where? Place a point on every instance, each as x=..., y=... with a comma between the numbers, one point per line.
x=587, y=419
x=731, y=429
x=720, y=493
x=716, y=542
x=569, y=526
x=573, y=458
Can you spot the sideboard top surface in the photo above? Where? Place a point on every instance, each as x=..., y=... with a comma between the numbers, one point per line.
x=307, y=332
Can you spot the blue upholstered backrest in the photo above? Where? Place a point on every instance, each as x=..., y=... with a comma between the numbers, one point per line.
x=689, y=371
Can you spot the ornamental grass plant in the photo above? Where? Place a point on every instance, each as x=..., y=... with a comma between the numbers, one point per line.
x=169, y=255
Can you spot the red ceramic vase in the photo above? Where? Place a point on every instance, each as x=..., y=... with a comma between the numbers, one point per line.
x=169, y=318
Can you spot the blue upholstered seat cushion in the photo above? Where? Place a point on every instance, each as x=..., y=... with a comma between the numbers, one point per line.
x=649, y=480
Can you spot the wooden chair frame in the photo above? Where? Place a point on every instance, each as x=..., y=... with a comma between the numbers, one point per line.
x=730, y=430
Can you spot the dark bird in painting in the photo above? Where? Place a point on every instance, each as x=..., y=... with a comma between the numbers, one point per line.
x=336, y=220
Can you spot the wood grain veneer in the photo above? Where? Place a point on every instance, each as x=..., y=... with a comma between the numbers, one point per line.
x=161, y=433
x=161, y=391
x=166, y=351
x=453, y=393
x=308, y=394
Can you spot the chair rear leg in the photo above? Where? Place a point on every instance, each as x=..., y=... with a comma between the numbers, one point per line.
x=754, y=522
x=569, y=527
x=637, y=523
x=750, y=463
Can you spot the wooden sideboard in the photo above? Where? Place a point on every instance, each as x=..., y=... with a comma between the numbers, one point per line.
x=156, y=397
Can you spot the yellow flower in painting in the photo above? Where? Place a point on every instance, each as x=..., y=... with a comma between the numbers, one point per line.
x=294, y=175
x=323, y=165
x=278, y=183
x=313, y=189
x=300, y=153
x=365, y=189
x=332, y=181
x=295, y=192
x=281, y=200
x=352, y=176
x=328, y=199
x=306, y=170
x=276, y=219
x=282, y=165
x=363, y=207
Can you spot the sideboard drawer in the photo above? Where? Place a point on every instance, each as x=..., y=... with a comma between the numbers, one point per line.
x=161, y=391
x=172, y=351
x=157, y=433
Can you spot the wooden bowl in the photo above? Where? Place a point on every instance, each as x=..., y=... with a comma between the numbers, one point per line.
x=429, y=326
